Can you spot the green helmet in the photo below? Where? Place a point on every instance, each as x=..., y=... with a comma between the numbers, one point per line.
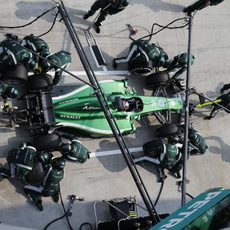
x=215, y=2
x=45, y=157
x=65, y=147
x=125, y=2
x=45, y=52
x=11, y=92
x=192, y=134
x=171, y=153
x=58, y=163
x=183, y=59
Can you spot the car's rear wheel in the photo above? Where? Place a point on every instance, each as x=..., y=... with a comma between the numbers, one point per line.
x=16, y=75
x=156, y=79
x=36, y=175
x=47, y=142
x=150, y=148
x=39, y=81
x=167, y=130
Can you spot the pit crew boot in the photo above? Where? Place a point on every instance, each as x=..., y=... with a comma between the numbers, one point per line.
x=114, y=63
x=55, y=197
x=97, y=28
x=5, y=173
x=38, y=204
x=35, y=198
x=85, y=16
x=207, y=117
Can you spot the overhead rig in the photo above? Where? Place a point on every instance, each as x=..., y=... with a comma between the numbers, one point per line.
x=116, y=132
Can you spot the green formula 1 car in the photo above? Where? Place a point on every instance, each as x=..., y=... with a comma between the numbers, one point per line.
x=80, y=108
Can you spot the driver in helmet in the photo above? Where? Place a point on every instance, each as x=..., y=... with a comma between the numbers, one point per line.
x=50, y=184
x=125, y=105
x=74, y=151
x=107, y=7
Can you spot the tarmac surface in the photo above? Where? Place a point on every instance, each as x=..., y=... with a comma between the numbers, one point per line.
x=105, y=176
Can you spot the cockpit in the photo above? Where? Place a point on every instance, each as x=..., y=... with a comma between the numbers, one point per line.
x=133, y=104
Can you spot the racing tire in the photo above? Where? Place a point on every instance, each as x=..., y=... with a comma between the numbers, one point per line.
x=139, y=67
x=36, y=175
x=150, y=147
x=47, y=142
x=167, y=130
x=39, y=81
x=156, y=79
x=16, y=75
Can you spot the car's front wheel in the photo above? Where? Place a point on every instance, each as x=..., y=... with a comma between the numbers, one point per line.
x=47, y=142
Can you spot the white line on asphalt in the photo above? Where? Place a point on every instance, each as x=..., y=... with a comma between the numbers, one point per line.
x=114, y=152
x=99, y=73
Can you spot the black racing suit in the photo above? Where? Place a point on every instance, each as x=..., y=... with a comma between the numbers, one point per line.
x=107, y=8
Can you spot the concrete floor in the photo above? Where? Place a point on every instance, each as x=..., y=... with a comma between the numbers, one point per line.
x=108, y=177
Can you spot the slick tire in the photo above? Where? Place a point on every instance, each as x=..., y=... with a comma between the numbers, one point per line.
x=39, y=81
x=139, y=67
x=167, y=130
x=16, y=75
x=149, y=148
x=47, y=142
x=156, y=79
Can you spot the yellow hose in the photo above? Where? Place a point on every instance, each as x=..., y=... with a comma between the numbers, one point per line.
x=208, y=103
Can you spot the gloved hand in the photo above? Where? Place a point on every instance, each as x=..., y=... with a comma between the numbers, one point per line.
x=222, y=90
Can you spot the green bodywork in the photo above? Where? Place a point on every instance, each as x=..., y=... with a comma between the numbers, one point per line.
x=209, y=210
x=81, y=109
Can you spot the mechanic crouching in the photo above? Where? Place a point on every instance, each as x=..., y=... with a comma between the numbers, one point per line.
x=143, y=52
x=57, y=61
x=50, y=184
x=179, y=64
x=37, y=45
x=197, y=143
x=38, y=171
x=12, y=53
x=74, y=151
x=23, y=160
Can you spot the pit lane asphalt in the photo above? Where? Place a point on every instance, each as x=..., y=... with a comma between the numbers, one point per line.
x=107, y=177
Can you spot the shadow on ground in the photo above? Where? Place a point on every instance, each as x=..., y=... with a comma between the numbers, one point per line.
x=159, y=5
x=222, y=148
x=28, y=10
